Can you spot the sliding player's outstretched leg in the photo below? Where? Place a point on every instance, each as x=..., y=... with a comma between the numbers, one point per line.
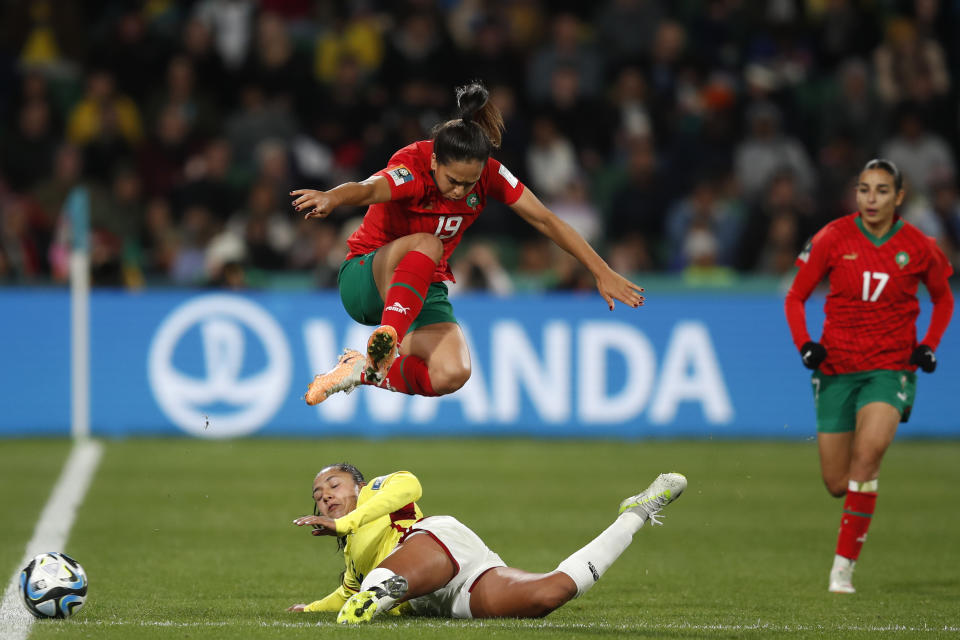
x=661, y=492
x=587, y=565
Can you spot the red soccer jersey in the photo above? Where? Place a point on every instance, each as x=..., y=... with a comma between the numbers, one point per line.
x=872, y=306
x=416, y=205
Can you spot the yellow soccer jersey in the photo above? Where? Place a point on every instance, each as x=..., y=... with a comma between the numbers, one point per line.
x=386, y=506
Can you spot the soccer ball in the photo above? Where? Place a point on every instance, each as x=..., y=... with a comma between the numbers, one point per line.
x=53, y=585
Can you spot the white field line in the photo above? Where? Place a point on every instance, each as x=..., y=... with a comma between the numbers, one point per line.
x=51, y=532
x=415, y=623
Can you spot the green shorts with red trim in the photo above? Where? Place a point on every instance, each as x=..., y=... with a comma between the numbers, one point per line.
x=358, y=292
x=839, y=397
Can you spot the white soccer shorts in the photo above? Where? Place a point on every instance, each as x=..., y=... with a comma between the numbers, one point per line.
x=469, y=554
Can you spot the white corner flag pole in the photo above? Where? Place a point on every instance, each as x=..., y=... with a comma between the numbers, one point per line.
x=78, y=208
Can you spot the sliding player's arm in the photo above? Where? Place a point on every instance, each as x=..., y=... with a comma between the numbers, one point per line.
x=389, y=493
x=349, y=585
x=333, y=602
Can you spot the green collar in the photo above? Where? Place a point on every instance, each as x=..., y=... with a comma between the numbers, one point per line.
x=874, y=239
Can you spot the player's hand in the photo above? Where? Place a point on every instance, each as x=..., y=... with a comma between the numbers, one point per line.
x=924, y=358
x=316, y=204
x=813, y=354
x=322, y=525
x=297, y=608
x=613, y=286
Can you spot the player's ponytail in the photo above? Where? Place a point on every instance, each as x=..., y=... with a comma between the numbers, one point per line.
x=475, y=133
x=474, y=104
x=888, y=166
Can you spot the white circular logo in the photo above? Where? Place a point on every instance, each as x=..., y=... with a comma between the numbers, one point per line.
x=230, y=404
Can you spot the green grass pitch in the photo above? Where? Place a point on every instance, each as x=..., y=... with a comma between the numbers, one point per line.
x=184, y=538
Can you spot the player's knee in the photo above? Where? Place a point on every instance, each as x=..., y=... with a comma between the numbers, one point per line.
x=428, y=244
x=450, y=378
x=836, y=487
x=551, y=597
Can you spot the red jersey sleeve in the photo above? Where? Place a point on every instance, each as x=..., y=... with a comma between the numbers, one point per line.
x=935, y=279
x=814, y=262
x=502, y=185
x=406, y=182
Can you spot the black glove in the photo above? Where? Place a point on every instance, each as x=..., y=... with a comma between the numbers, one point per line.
x=924, y=358
x=812, y=354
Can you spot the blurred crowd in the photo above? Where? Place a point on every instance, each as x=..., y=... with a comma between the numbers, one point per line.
x=708, y=138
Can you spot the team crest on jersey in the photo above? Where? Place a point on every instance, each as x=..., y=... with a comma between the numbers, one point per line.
x=902, y=259
x=377, y=482
x=805, y=254
x=400, y=175
x=473, y=200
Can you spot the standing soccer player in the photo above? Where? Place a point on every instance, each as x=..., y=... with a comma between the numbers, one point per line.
x=864, y=379
x=394, y=274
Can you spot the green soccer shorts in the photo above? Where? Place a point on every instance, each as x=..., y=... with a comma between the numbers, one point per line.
x=839, y=397
x=360, y=297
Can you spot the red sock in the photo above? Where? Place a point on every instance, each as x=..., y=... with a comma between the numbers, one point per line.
x=857, y=513
x=407, y=290
x=408, y=375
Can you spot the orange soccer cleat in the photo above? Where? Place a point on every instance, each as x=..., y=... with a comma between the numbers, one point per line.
x=343, y=377
x=381, y=352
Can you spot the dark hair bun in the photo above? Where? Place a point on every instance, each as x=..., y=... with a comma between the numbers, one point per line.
x=471, y=98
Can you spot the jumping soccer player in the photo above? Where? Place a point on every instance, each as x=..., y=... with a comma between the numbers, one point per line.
x=864, y=379
x=437, y=566
x=394, y=273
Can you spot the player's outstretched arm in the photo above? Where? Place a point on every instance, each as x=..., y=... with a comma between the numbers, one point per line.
x=322, y=525
x=332, y=602
x=319, y=204
x=611, y=285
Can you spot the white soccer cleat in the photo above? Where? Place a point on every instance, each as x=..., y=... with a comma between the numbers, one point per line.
x=366, y=605
x=343, y=377
x=841, y=575
x=661, y=492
